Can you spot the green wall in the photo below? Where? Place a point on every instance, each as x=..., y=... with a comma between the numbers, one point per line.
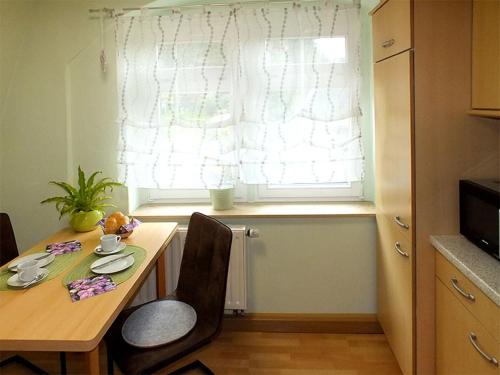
x=58, y=110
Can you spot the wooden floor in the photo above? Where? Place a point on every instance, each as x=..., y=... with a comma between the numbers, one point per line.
x=267, y=353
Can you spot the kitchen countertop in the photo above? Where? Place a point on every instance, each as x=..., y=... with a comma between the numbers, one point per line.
x=480, y=268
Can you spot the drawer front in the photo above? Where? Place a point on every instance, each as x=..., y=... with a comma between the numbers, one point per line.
x=474, y=300
x=391, y=29
x=395, y=298
x=460, y=338
x=393, y=138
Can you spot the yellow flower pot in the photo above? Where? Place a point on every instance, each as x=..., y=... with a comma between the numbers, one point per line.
x=85, y=221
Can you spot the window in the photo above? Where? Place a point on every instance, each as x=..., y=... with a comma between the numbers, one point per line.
x=319, y=192
x=265, y=99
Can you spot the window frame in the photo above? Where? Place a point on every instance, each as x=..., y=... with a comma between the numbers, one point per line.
x=335, y=192
x=322, y=192
x=192, y=195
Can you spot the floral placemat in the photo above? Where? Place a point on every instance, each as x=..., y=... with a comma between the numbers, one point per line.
x=61, y=262
x=82, y=269
x=59, y=248
x=89, y=287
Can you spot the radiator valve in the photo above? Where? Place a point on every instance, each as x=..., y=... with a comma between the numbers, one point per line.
x=253, y=233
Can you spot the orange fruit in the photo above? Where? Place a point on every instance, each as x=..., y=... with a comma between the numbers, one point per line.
x=117, y=215
x=111, y=225
x=110, y=221
x=122, y=220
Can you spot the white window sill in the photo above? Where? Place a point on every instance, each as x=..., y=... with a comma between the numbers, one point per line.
x=173, y=212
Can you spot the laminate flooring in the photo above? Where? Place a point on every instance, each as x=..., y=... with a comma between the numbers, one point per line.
x=264, y=353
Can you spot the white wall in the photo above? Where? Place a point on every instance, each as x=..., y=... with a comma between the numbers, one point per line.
x=58, y=110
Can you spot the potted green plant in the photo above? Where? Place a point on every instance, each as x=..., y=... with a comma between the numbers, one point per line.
x=85, y=203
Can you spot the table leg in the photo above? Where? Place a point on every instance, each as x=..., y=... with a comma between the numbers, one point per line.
x=62, y=363
x=161, y=289
x=92, y=361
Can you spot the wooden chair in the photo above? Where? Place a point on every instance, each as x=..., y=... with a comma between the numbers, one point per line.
x=8, y=251
x=202, y=284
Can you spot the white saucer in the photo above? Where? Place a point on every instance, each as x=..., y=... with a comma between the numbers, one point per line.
x=42, y=262
x=114, y=267
x=14, y=279
x=120, y=247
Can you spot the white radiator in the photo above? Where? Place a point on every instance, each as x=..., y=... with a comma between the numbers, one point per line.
x=236, y=291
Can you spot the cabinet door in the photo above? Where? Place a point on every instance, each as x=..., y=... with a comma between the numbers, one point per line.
x=393, y=141
x=486, y=54
x=391, y=29
x=457, y=352
x=395, y=292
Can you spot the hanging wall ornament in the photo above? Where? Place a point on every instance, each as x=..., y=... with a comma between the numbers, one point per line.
x=102, y=55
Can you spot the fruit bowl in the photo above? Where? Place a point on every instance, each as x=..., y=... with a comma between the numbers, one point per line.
x=124, y=230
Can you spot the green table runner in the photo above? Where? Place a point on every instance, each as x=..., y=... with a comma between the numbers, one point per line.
x=83, y=268
x=60, y=263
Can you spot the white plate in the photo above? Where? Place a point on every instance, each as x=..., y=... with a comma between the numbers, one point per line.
x=120, y=247
x=43, y=262
x=117, y=266
x=14, y=279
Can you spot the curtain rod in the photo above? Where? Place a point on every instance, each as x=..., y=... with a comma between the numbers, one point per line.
x=111, y=11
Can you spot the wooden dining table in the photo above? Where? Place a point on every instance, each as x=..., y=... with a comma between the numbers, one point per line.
x=43, y=318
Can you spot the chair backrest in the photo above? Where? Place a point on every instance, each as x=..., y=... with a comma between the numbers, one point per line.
x=8, y=246
x=204, y=268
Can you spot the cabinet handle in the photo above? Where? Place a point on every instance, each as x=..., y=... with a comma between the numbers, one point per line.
x=397, y=247
x=454, y=283
x=388, y=43
x=473, y=341
x=398, y=221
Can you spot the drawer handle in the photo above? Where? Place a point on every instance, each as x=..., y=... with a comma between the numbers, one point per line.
x=454, y=283
x=473, y=341
x=388, y=43
x=397, y=247
x=398, y=221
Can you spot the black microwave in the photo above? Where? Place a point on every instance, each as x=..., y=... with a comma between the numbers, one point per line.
x=480, y=214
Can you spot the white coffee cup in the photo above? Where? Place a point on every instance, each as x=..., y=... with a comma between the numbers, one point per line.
x=27, y=271
x=109, y=242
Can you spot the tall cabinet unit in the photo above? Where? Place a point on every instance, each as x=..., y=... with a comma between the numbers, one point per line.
x=425, y=142
x=394, y=204
x=393, y=163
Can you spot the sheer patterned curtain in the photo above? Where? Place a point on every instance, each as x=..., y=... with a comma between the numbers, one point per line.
x=260, y=94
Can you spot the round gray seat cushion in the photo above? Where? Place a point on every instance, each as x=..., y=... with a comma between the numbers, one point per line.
x=158, y=323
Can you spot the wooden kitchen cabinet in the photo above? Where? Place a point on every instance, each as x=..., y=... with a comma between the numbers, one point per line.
x=460, y=338
x=393, y=162
x=395, y=291
x=392, y=74
x=486, y=58
x=391, y=28
x=393, y=141
x=425, y=142
x=483, y=308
